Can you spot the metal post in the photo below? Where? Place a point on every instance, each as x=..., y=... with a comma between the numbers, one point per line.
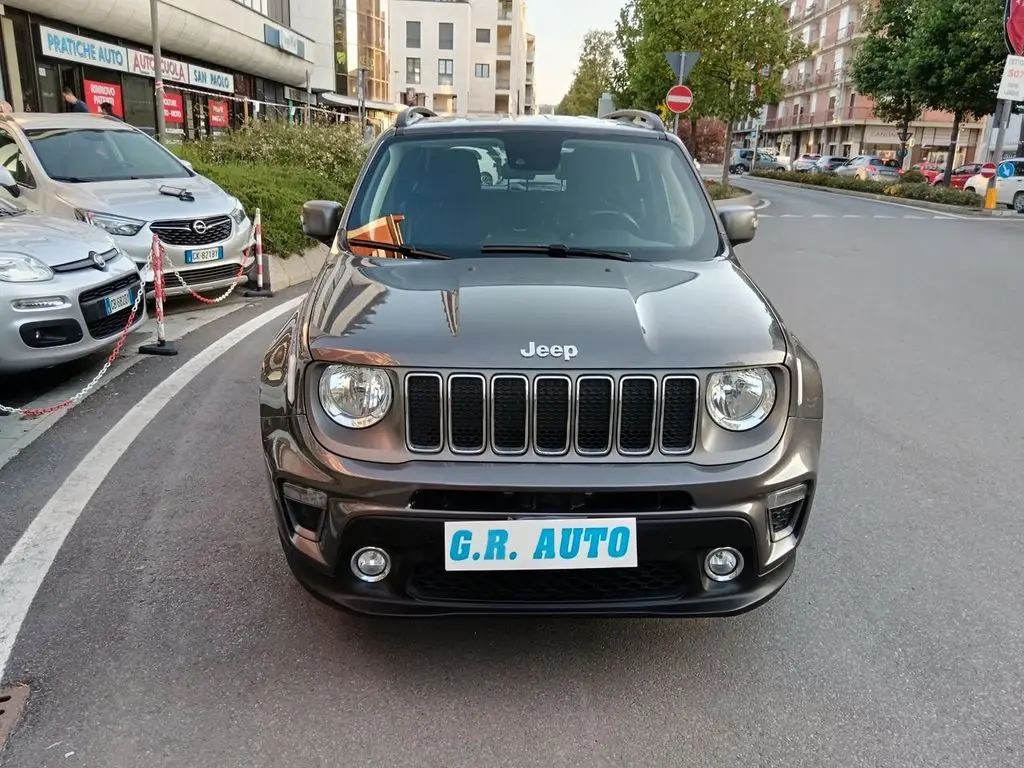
x=158, y=71
x=1002, y=112
x=309, y=95
x=675, y=127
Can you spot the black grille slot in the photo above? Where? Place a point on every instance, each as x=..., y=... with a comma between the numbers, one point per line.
x=637, y=408
x=183, y=232
x=85, y=297
x=466, y=413
x=551, y=408
x=197, y=277
x=423, y=411
x=594, y=415
x=509, y=414
x=679, y=413
x=87, y=262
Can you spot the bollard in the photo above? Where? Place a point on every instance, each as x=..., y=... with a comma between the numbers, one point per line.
x=260, y=290
x=162, y=347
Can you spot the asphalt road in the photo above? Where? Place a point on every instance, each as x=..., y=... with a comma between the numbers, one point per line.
x=169, y=632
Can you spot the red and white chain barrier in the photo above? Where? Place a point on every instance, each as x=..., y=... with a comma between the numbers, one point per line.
x=114, y=353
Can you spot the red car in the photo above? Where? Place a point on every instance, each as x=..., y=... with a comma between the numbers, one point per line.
x=934, y=172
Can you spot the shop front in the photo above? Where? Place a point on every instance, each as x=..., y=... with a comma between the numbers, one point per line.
x=199, y=99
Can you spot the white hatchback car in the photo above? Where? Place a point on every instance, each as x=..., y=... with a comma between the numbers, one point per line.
x=109, y=174
x=1009, y=191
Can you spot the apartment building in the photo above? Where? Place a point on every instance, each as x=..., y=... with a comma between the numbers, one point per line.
x=463, y=56
x=221, y=58
x=822, y=111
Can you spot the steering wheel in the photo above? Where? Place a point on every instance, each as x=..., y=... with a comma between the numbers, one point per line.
x=620, y=215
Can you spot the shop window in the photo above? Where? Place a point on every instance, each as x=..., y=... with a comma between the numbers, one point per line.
x=23, y=48
x=139, y=104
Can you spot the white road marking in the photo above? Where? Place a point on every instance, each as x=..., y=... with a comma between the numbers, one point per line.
x=26, y=565
x=882, y=216
x=852, y=216
x=791, y=216
x=822, y=216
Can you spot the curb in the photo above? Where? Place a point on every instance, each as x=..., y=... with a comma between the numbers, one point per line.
x=904, y=201
x=299, y=268
x=744, y=200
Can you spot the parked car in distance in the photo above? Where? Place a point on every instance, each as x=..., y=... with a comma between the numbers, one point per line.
x=741, y=159
x=1009, y=192
x=806, y=162
x=490, y=172
x=781, y=159
x=870, y=168
x=66, y=289
x=958, y=179
x=829, y=163
x=482, y=373
x=109, y=174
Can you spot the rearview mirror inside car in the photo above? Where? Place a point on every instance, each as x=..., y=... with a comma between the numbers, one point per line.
x=7, y=182
x=321, y=219
x=740, y=223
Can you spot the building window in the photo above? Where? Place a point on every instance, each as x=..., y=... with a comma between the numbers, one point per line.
x=412, y=71
x=483, y=35
x=483, y=70
x=279, y=11
x=412, y=34
x=446, y=36
x=445, y=71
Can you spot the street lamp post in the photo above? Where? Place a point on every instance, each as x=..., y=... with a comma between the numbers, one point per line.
x=158, y=71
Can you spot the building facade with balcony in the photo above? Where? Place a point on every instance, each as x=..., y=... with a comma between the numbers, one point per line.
x=462, y=56
x=822, y=112
x=222, y=59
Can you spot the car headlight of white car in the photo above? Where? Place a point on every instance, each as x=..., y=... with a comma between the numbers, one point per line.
x=354, y=396
x=22, y=268
x=114, y=225
x=740, y=400
x=238, y=212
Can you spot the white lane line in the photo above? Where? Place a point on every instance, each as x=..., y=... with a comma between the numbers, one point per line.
x=822, y=216
x=791, y=216
x=764, y=204
x=852, y=216
x=882, y=216
x=26, y=565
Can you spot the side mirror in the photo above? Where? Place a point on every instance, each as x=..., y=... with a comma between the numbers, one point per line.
x=7, y=182
x=740, y=224
x=188, y=165
x=321, y=219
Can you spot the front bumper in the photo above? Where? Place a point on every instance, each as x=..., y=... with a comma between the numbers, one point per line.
x=76, y=326
x=681, y=510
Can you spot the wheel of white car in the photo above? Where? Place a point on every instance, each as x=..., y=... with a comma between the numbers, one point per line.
x=1018, y=202
x=486, y=179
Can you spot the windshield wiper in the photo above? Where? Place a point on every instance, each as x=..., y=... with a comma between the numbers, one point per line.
x=409, y=251
x=70, y=179
x=559, y=251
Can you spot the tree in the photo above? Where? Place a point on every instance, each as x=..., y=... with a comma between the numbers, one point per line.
x=745, y=46
x=884, y=63
x=958, y=51
x=592, y=77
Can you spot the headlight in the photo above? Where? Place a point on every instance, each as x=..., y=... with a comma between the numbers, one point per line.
x=238, y=213
x=19, y=268
x=355, y=397
x=114, y=225
x=740, y=400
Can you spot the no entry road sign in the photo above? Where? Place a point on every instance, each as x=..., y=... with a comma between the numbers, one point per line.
x=679, y=99
x=988, y=170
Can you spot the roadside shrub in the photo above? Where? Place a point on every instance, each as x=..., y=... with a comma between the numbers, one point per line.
x=723, y=192
x=905, y=190
x=277, y=167
x=913, y=177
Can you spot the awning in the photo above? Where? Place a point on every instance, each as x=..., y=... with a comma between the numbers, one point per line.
x=337, y=100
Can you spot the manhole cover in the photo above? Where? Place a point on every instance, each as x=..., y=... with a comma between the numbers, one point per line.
x=12, y=702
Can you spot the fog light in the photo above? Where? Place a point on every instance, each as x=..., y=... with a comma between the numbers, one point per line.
x=784, y=508
x=723, y=564
x=371, y=564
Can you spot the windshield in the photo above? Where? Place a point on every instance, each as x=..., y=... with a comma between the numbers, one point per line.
x=637, y=195
x=78, y=155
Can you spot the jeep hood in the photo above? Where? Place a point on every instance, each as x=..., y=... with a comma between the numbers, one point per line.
x=480, y=313
x=141, y=198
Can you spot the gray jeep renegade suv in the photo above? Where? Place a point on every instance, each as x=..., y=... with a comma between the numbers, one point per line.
x=560, y=394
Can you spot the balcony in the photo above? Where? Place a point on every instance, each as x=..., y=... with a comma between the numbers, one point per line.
x=502, y=84
x=821, y=118
x=505, y=12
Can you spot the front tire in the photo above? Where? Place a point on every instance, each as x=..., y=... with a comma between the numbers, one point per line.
x=1018, y=202
x=486, y=179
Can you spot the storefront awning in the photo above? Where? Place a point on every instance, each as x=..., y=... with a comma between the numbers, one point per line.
x=337, y=100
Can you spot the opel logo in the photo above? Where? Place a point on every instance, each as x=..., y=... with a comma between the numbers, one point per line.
x=199, y=227
x=98, y=261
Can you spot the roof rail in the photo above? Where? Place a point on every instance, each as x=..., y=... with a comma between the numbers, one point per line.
x=652, y=120
x=405, y=117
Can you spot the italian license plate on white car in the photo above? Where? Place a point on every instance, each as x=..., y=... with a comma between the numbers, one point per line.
x=118, y=301
x=540, y=544
x=199, y=255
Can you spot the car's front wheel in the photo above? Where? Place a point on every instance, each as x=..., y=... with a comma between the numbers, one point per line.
x=1018, y=202
x=486, y=179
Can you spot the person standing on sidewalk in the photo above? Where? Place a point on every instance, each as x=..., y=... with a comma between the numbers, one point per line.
x=74, y=103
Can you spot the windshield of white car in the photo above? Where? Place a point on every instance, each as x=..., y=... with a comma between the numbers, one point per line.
x=462, y=193
x=86, y=155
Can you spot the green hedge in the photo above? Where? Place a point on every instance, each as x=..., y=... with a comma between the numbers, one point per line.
x=277, y=167
x=723, y=192
x=911, y=191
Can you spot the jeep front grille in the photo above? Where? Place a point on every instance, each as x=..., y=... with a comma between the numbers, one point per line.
x=590, y=415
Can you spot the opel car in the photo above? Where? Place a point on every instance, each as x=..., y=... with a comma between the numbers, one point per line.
x=564, y=398
x=104, y=172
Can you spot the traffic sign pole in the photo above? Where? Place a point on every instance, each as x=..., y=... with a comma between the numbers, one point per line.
x=675, y=127
x=1003, y=108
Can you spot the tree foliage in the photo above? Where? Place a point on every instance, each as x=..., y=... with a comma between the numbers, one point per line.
x=745, y=46
x=593, y=76
x=883, y=65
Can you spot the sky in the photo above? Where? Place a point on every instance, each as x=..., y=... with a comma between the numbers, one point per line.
x=559, y=26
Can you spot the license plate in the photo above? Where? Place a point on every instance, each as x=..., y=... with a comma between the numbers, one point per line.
x=118, y=301
x=540, y=545
x=200, y=255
